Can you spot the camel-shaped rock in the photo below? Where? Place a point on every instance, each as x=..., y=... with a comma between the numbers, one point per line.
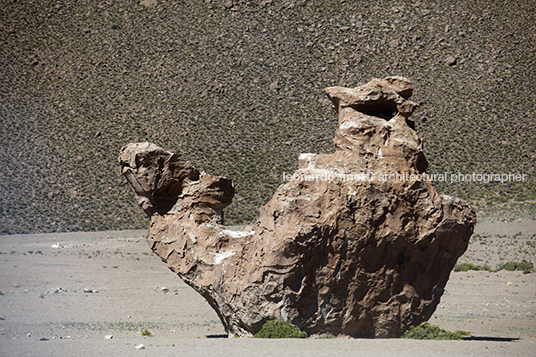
x=357, y=243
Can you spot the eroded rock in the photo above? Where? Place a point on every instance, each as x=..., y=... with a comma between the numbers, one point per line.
x=357, y=243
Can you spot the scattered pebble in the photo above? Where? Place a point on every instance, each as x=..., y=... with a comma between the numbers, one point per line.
x=165, y=289
x=108, y=337
x=140, y=347
x=148, y=3
x=274, y=86
x=450, y=61
x=55, y=291
x=87, y=290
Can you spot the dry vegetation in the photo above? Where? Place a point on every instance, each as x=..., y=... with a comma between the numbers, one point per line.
x=236, y=87
x=495, y=252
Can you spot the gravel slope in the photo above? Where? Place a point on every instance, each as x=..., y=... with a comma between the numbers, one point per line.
x=236, y=87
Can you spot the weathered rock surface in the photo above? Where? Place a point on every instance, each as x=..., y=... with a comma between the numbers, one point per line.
x=357, y=243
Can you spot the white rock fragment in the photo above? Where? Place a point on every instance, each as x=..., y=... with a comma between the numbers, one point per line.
x=218, y=258
x=237, y=234
x=140, y=347
x=165, y=289
x=108, y=337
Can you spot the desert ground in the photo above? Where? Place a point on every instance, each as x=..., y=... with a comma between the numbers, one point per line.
x=90, y=294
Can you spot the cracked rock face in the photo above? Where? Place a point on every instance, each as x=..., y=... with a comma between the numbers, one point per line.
x=357, y=243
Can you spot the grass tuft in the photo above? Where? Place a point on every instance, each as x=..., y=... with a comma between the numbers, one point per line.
x=427, y=331
x=469, y=266
x=146, y=333
x=513, y=266
x=280, y=329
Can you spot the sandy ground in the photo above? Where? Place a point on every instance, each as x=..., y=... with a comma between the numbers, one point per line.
x=47, y=308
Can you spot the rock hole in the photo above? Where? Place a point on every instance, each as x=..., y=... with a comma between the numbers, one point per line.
x=383, y=110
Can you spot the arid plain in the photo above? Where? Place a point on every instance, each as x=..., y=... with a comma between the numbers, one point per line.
x=92, y=293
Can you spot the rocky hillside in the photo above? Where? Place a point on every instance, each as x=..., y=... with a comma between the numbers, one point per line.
x=236, y=87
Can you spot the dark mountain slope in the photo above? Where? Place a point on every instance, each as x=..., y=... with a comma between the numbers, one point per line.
x=236, y=87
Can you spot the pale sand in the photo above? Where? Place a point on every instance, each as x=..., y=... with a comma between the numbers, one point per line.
x=129, y=278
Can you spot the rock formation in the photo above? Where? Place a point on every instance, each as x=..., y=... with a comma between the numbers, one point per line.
x=357, y=243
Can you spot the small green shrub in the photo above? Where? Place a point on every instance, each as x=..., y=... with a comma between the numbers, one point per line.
x=280, y=329
x=512, y=266
x=469, y=266
x=426, y=331
x=146, y=333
